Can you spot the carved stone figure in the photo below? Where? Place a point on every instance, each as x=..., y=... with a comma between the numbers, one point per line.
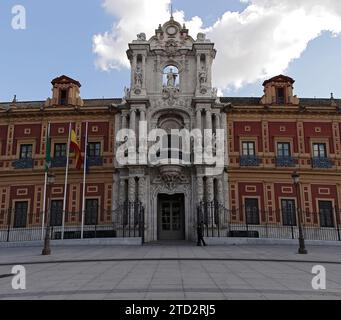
x=171, y=47
x=201, y=37
x=202, y=77
x=126, y=93
x=141, y=37
x=171, y=78
x=138, y=77
x=170, y=94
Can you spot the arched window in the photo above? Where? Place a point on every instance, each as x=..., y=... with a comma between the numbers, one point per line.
x=170, y=76
x=171, y=143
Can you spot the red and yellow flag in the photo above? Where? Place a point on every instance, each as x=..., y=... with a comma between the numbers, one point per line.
x=76, y=149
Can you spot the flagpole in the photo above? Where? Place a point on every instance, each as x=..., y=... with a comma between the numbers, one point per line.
x=44, y=208
x=66, y=179
x=45, y=184
x=84, y=177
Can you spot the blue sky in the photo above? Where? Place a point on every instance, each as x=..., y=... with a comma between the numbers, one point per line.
x=58, y=40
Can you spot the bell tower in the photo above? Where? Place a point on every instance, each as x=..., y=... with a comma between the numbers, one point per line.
x=171, y=58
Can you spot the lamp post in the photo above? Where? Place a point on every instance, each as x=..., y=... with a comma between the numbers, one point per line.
x=296, y=180
x=47, y=249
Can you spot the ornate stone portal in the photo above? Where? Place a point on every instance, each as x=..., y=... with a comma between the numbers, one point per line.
x=171, y=89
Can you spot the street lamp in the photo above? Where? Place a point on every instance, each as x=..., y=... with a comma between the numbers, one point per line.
x=296, y=180
x=47, y=249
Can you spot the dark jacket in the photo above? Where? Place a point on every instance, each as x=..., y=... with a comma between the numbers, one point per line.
x=200, y=230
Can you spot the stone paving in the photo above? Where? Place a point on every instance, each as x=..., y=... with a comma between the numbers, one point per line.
x=172, y=272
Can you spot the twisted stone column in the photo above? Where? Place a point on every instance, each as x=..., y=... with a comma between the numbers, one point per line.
x=132, y=189
x=122, y=191
x=142, y=190
x=198, y=119
x=200, y=189
x=209, y=189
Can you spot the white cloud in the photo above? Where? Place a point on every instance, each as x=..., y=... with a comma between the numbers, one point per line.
x=133, y=17
x=254, y=44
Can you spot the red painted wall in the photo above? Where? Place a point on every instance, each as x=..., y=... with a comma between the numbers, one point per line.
x=239, y=132
x=275, y=132
x=19, y=134
x=326, y=132
x=3, y=139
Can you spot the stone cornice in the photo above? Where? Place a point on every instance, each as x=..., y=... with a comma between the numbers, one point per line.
x=36, y=113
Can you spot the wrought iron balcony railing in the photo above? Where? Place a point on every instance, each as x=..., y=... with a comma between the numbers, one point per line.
x=285, y=162
x=324, y=163
x=249, y=161
x=95, y=161
x=23, y=164
x=59, y=162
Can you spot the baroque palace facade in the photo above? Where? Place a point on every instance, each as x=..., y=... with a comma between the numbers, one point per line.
x=265, y=140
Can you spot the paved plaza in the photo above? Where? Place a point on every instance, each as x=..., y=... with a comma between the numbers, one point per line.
x=171, y=271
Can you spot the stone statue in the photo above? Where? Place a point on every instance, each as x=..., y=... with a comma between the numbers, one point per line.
x=138, y=77
x=141, y=37
x=126, y=93
x=202, y=76
x=201, y=37
x=171, y=78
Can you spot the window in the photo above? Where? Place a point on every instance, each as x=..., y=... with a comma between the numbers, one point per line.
x=63, y=97
x=252, y=211
x=170, y=76
x=326, y=214
x=94, y=149
x=60, y=150
x=91, y=212
x=288, y=212
x=26, y=151
x=283, y=149
x=20, y=214
x=320, y=150
x=56, y=213
x=248, y=149
x=280, y=95
x=171, y=148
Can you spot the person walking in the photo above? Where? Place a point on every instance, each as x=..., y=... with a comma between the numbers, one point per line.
x=200, y=232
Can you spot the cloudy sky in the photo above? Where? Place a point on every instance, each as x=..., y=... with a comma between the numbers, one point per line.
x=87, y=40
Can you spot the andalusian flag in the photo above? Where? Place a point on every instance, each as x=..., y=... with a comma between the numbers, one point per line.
x=48, y=150
x=77, y=150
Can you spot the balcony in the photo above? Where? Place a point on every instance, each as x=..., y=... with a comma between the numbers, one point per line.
x=59, y=162
x=249, y=161
x=95, y=161
x=23, y=164
x=285, y=162
x=322, y=163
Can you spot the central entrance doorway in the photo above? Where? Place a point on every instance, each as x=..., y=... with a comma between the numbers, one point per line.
x=171, y=217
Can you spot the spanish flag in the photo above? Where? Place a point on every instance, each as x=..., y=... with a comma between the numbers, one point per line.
x=76, y=149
